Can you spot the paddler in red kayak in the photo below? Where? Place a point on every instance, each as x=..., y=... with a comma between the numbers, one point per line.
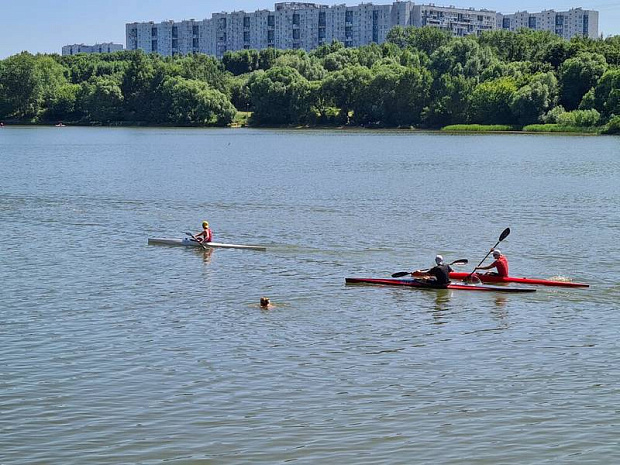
x=500, y=264
x=206, y=235
x=438, y=276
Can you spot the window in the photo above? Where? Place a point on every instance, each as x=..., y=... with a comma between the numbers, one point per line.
x=296, y=34
x=195, y=30
x=154, y=32
x=296, y=19
x=153, y=45
x=246, y=21
x=175, y=31
x=271, y=20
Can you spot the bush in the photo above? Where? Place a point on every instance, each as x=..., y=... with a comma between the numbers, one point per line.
x=552, y=116
x=613, y=127
x=580, y=118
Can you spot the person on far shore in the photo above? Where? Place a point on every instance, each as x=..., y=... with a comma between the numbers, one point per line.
x=500, y=264
x=438, y=276
x=206, y=235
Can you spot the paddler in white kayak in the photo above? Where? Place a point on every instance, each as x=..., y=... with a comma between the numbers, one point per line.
x=206, y=235
x=500, y=264
x=438, y=276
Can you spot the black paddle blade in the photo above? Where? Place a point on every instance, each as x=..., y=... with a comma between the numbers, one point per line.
x=400, y=274
x=462, y=261
x=504, y=234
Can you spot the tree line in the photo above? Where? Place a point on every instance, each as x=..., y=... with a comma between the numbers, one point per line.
x=420, y=77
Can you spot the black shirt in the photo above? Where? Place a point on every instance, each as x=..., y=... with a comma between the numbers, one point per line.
x=441, y=274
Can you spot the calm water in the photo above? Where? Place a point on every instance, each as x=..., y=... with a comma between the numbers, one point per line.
x=113, y=351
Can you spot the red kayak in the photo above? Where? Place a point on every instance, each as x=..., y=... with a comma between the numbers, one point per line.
x=489, y=278
x=408, y=282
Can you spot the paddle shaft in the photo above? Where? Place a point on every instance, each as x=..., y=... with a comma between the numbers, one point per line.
x=196, y=239
x=462, y=261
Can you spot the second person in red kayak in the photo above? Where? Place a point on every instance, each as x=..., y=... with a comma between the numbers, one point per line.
x=500, y=264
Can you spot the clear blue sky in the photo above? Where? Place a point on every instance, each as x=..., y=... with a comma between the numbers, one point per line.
x=46, y=25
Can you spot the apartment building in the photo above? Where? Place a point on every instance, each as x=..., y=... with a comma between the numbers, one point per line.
x=566, y=24
x=300, y=25
x=166, y=38
x=459, y=21
x=74, y=49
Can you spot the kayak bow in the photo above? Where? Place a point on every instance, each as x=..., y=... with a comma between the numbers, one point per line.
x=408, y=282
x=489, y=278
x=186, y=242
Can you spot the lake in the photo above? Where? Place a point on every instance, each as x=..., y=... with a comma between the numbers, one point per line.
x=115, y=351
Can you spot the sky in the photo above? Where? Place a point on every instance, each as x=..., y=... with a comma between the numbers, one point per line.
x=44, y=26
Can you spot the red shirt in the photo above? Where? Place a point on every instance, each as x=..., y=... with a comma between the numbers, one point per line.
x=502, y=266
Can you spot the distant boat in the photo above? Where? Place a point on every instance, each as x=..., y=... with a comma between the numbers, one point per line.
x=60, y=125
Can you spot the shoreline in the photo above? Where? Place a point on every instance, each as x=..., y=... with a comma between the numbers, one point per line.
x=446, y=130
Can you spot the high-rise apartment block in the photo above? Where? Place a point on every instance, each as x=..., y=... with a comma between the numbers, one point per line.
x=97, y=48
x=301, y=25
x=566, y=24
x=298, y=25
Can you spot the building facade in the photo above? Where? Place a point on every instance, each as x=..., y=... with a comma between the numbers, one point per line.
x=97, y=48
x=566, y=24
x=300, y=25
x=459, y=21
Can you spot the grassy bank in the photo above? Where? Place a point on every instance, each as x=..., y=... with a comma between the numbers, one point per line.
x=561, y=128
x=479, y=128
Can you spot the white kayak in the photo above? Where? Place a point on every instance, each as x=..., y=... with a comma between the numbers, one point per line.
x=186, y=242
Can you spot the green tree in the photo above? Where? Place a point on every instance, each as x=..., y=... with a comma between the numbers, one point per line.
x=396, y=95
x=534, y=99
x=346, y=89
x=137, y=88
x=27, y=82
x=241, y=62
x=491, y=102
x=102, y=100
x=280, y=95
x=578, y=75
x=606, y=95
x=450, y=102
x=462, y=56
x=62, y=105
x=192, y=102
x=308, y=66
x=427, y=39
